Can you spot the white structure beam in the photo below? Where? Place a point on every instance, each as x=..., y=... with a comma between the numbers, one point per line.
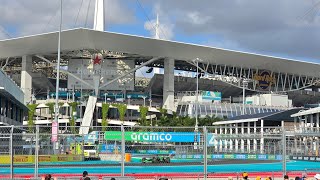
x=98, y=23
x=26, y=79
x=168, y=85
x=262, y=139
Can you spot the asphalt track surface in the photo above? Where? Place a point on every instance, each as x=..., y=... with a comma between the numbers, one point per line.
x=101, y=164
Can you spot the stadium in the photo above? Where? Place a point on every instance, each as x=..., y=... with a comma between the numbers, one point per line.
x=82, y=105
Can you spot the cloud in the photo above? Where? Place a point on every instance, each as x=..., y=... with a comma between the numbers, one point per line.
x=281, y=27
x=165, y=29
x=197, y=19
x=38, y=16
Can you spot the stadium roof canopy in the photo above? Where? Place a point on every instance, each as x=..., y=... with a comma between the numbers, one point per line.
x=285, y=115
x=78, y=39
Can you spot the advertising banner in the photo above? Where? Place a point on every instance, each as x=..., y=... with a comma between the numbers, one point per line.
x=210, y=95
x=305, y=158
x=54, y=137
x=262, y=157
x=241, y=156
x=229, y=156
x=153, y=136
x=217, y=156
x=252, y=156
x=271, y=157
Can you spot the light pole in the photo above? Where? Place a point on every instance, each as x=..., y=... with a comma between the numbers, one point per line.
x=129, y=97
x=196, y=128
x=144, y=100
x=105, y=97
x=244, y=84
x=55, y=123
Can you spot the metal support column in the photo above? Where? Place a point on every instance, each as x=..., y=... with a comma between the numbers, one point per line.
x=255, y=134
x=242, y=140
x=36, y=153
x=284, y=152
x=205, y=153
x=261, y=138
x=11, y=152
x=236, y=141
x=122, y=150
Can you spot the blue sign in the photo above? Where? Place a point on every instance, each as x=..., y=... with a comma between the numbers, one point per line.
x=262, y=157
x=241, y=156
x=217, y=156
x=278, y=157
x=210, y=95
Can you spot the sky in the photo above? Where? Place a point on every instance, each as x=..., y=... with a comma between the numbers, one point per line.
x=283, y=28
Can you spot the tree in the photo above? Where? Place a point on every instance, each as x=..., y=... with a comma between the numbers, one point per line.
x=51, y=108
x=122, y=108
x=163, y=118
x=104, y=122
x=72, y=123
x=143, y=115
x=32, y=110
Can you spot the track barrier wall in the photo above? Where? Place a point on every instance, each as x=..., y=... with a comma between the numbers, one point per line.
x=152, y=152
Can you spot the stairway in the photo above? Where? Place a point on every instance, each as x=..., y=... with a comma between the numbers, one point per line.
x=88, y=114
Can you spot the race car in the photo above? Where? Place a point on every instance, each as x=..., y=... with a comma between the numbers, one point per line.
x=156, y=159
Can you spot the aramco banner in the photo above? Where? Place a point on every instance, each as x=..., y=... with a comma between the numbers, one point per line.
x=153, y=136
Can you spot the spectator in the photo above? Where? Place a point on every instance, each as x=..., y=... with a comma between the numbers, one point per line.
x=163, y=178
x=113, y=179
x=286, y=177
x=258, y=178
x=297, y=178
x=245, y=175
x=304, y=176
x=85, y=176
x=48, y=177
x=317, y=176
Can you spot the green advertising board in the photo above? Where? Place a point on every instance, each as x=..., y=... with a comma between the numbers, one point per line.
x=153, y=136
x=229, y=156
x=271, y=157
x=252, y=156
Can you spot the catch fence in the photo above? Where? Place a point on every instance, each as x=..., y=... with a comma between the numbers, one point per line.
x=153, y=152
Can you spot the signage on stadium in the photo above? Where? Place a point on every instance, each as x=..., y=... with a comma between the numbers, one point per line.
x=265, y=79
x=153, y=136
x=305, y=158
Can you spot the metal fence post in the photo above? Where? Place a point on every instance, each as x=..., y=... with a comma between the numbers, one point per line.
x=11, y=152
x=284, y=153
x=205, y=152
x=36, y=153
x=122, y=150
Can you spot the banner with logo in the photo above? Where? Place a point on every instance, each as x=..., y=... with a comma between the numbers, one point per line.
x=153, y=136
x=54, y=136
x=305, y=158
x=210, y=95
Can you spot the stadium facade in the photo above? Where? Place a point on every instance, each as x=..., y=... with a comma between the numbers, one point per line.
x=99, y=66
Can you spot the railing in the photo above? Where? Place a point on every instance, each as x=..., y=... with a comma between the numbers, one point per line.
x=11, y=87
x=152, y=152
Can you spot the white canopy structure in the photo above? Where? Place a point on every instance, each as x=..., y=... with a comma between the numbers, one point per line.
x=76, y=39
